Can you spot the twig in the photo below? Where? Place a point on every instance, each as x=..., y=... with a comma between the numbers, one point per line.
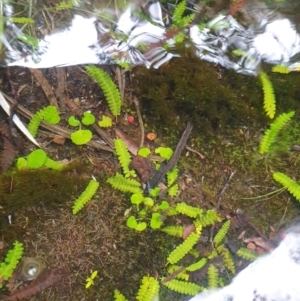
x=224, y=189
x=164, y=168
x=61, y=88
x=45, y=86
x=138, y=112
x=195, y=152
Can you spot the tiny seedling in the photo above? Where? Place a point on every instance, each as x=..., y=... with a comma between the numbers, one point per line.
x=90, y=280
x=105, y=122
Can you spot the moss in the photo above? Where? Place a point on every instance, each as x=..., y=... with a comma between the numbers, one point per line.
x=188, y=88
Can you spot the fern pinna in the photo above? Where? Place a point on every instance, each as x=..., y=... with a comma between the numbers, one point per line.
x=271, y=134
x=124, y=184
x=85, y=196
x=110, y=91
x=124, y=157
x=289, y=184
x=10, y=262
x=269, y=96
x=183, y=287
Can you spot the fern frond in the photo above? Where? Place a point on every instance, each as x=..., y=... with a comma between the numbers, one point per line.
x=183, y=287
x=181, y=250
x=35, y=122
x=118, y=296
x=247, y=254
x=221, y=233
x=188, y=210
x=187, y=20
x=11, y=261
x=177, y=17
x=271, y=134
x=85, y=196
x=63, y=5
x=110, y=91
x=228, y=260
x=213, y=276
x=173, y=230
x=269, y=96
x=124, y=157
x=208, y=218
x=148, y=289
x=197, y=265
x=172, y=176
x=182, y=275
x=281, y=69
x=124, y=184
x=53, y=164
x=22, y=20
x=289, y=184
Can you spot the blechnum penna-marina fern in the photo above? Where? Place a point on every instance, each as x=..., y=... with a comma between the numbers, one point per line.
x=271, y=134
x=10, y=262
x=269, y=96
x=110, y=91
x=86, y=195
x=289, y=184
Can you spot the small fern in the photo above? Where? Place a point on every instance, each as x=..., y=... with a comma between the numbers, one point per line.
x=49, y=114
x=281, y=69
x=208, y=218
x=221, y=233
x=271, y=134
x=124, y=184
x=85, y=196
x=247, y=254
x=181, y=250
x=148, y=289
x=228, y=260
x=289, y=184
x=172, y=176
x=124, y=157
x=11, y=261
x=269, y=96
x=118, y=296
x=178, y=19
x=173, y=230
x=188, y=210
x=110, y=91
x=197, y=265
x=213, y=276
x=183, y=287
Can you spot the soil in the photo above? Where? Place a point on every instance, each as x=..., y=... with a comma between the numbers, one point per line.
x=222, y=170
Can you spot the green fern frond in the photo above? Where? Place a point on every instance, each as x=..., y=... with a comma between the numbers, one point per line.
x=124, y=157
x=148, y=289
x=172, y=176
x=177, y=17
x=208, y=218
x=269, y=96
x=213, y=276
x=11, y=261
x=183, y=287
x=85, y=196
x=221, y=233
x=197, y=265
x=281, y=69
x=187, y=20
x=110, y=91
x=228, y=260
x=181, y=250
x=173, y=230
x=49, y=114
x=53, y=164
x=289, y=184
x=188, y=210
x=182, y=275
x=247, y=254
x=118, y=296
x=271, y=134
x=124, y=184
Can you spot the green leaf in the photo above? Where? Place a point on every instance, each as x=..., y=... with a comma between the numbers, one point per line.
x=141, y=226
x=136, y=198
x=36, y=159
x=155, y=192
x=21, y=163
x=73, y=121
x=105, y=122
x=156, y=222
x=81, y=137
x=131, y=222
x=88, y=118
x=51, y=115
x=164, y=205
x=164, y=152
x=144, y=152
x=148, y=202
